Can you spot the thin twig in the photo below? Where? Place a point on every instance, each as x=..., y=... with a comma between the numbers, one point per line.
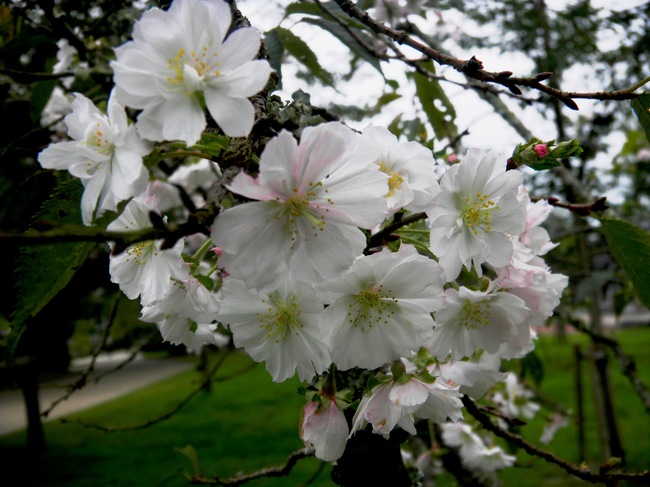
x=581, y=472
x=473, y=68
x=162, y=417
x=381, y=236
x=584, y=209
x=241, y=479
x=77, y=233
x=81, y=382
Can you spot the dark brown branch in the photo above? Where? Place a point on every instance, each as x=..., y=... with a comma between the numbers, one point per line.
x=494, y=412
x=196, y=223
x=345, y=27
x=241, y=479
x=581, y=472
x=26, y=77
x=584, y=209
x=473, y=67
x=382, y=236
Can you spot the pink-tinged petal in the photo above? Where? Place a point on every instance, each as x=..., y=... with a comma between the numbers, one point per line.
x=252, y=188
x=277, y=161
x=320, y=153
x=413, y=393
x=325, y=429
x=235, y=116
x=253, y=242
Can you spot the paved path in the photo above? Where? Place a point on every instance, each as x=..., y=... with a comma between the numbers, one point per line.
x=138, y=373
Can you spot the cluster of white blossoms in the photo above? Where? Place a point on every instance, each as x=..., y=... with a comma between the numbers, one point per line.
x=302, y=290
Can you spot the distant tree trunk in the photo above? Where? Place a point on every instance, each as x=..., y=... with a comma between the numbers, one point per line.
x=28, y=379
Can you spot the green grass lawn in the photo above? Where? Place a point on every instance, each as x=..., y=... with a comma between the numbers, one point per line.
x=249, y=422
x=244, y=424
x=559, y=385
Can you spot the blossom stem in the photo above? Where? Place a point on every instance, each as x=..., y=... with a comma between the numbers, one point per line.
x=198, y=255
x=214, y=268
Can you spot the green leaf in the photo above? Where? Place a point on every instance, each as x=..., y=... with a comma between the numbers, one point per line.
x=441, y=115
x=349, y=40
x=641, y=107
x=43, y=270
x=189, y=452
x=275, y=51
x=313, y=9
x=303, y=54
x=206, y=281
x=39, y=98
x=630, y=246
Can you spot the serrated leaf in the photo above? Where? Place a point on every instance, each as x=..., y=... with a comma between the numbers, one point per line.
x=275, y=51
x=544, y=164
x=303, y=54
x=630, y=246
x=641, y=107
x=313, y=9
x=43, y=270
x=349, y=40
x=441, y=119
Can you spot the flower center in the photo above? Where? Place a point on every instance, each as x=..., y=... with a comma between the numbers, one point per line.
x=141, y=252
x=394, y=179
x=476, y=314
x=476, y=213
x=299, y=218
x=371, y=307
x=281, y=317
x=204, y=63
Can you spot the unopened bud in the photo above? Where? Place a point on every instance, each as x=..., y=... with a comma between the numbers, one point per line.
x=541, y=150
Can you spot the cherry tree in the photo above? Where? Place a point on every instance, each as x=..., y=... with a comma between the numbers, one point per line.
x=392, y=269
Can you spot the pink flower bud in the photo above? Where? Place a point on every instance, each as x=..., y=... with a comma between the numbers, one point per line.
x=217, y=251
x=541, y=150
x=452, y=158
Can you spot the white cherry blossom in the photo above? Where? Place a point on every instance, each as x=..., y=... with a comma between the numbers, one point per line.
x=412, y=181
x=473, y=320
x=144, y=269
x=312, y=197
x=180, y=61
x=105, y=153
x=185, y=315
x=475, y=213
x=280, y=327
x=380, y=310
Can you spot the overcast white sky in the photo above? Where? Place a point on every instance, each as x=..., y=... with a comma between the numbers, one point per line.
x=487, y=130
